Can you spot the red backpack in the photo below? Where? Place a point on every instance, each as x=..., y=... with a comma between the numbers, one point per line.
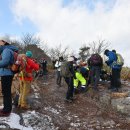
x=19, y=62
x=95, y=60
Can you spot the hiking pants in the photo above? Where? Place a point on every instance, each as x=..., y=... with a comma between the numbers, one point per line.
x=115, y=78
x=69, y=81
x=95, y=75
x=25, y=88
x=80, y=78
x=58, y=78
x=6, y=83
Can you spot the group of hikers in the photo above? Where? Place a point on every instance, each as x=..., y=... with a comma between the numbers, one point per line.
x=79, y=76
x=25, y=65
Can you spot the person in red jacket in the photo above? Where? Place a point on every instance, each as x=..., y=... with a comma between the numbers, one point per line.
x=26, y=79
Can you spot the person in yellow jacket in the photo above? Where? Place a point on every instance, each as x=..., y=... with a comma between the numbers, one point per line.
x=80, y=79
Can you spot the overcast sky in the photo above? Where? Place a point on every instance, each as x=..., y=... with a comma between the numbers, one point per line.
x=70, y=22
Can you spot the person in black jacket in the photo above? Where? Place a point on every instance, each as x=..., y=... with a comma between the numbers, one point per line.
x=43, y=64
x=69, y=80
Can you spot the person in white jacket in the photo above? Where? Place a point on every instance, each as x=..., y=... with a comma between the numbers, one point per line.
x=58, y=65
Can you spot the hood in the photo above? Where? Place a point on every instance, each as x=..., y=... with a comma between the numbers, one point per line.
x=11, y=47
x=107, y=53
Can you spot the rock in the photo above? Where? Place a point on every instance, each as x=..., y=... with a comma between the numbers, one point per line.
x=105, y=99
x=119, y=94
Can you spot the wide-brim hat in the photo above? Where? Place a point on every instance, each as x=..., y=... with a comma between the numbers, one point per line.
x=5, y=39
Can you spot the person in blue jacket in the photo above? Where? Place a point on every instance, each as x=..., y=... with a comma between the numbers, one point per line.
x=6, y=59
x=116, y=69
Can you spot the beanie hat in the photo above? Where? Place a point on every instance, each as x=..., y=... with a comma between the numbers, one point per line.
x=70, y=59
x=106, y=51
x=61, y=58
x=114, y=51
x=29, y=54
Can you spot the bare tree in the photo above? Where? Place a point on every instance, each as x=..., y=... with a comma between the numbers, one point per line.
x=28, y=40
x=84, y=52
x=99, y=47
x=44, y=47
x=36, y=45
x=58, y=51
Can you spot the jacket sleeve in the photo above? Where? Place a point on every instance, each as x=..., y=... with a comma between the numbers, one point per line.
x=111, y=57
x=5, y=58
x=34, y=65
x=71, y=68
x=101, y=62
x=57, y=65
x=89, y=64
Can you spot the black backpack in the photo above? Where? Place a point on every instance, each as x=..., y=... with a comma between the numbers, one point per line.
x=95, y=60
x=65, y=72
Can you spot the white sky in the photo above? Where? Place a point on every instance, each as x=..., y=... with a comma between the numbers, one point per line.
x=76, y=24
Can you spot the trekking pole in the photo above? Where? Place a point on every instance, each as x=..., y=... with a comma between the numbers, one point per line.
x=34, y=81
x=37, y=77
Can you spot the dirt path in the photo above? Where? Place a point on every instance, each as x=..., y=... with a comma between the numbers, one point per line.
x=84, y=113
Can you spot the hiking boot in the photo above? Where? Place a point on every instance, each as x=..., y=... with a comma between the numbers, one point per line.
x=114, y=90
x=72, y=98
x=69, y=100
x=109, y=88
x=25, y=107
x=4, y=114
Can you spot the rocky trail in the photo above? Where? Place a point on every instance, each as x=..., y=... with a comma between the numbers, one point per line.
x=86, y=112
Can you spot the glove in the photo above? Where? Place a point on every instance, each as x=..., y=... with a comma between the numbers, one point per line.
x=106, y=62
x=74, y=76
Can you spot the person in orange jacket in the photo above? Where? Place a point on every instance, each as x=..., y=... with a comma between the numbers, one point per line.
x=26, y=78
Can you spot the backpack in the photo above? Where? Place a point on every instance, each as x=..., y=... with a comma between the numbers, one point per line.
x=95, y=59
x=18, y=63
x=120, y=60
x=65, y=72
x=84, y=71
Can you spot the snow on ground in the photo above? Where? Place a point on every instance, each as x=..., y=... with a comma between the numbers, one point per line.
x=31, y=121
x=13, y=122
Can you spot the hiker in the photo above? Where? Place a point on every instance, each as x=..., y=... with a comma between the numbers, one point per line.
x=116, y=69
x=58, y=65
x=67, y=71
x=6, y=59
x=26, y=79
x=43, y=63
x=84, y=70
x=80, y=81
x=53, y=64
x=120, y=62
x=95, y=63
